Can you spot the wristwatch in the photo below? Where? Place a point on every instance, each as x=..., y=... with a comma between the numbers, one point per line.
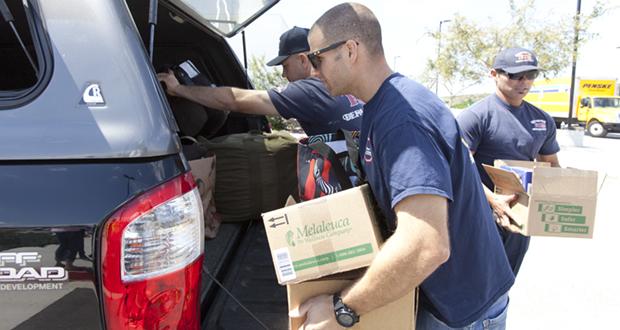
x=345, y=316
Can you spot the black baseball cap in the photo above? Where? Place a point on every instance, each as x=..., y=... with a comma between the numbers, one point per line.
x=516, y=60
x=292, y=42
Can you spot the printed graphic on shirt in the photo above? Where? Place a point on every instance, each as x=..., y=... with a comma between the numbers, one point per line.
x=539, y=125
x=353, y=114
x=353, y=101
x=368, y=151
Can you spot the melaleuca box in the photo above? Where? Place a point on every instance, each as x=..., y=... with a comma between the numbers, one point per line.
x=560, y=202
x=324, y=236
x=399, y=314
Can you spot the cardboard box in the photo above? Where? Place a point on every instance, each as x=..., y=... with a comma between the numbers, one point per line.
x=524, y=174
x=398, y=315
x=203, y=170
x=561, y=202
x=324, y=236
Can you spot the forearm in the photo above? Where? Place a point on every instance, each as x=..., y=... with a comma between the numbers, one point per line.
x=551, y=159
x=413, y=252
x=229, y=99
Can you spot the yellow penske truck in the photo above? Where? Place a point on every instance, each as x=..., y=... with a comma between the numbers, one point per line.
x=596, y=106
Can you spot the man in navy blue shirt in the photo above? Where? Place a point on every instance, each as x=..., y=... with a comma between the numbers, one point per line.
x=303, y=98
x=423, y=177
x=504, y=126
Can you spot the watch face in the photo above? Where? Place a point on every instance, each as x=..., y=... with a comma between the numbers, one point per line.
x=345, y=320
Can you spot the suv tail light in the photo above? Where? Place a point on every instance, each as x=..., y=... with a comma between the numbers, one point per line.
x=151, y=254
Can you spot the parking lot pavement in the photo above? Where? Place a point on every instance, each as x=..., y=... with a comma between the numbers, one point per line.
x=571, y=283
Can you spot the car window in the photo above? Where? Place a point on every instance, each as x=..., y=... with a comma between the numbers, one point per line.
x=227, y=17
x=607, y=102
x=22, y=59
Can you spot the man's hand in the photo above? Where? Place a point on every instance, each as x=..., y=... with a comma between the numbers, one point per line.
x=172, y=84
x=501, y=209
x=319, y=313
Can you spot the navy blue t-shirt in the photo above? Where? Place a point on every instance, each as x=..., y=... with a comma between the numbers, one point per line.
x=317, y=112
x=494, y=130
x=410, y=144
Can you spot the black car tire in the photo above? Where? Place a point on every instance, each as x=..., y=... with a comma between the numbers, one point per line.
x=596, y=129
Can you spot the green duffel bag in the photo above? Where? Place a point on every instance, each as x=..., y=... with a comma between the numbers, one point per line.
x=255, y=173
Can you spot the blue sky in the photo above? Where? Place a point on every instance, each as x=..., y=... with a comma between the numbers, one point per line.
x=406, y=25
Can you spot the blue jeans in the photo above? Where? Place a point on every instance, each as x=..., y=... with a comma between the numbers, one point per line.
x=494, y=318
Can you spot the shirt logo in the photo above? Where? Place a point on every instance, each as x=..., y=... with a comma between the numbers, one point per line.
x=368, y=152
x=353, y=101
x=353, y=114
x=539, y=125
x=521, y=57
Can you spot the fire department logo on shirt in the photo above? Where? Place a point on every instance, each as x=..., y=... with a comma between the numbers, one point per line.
x=521, y=57
x=353, y=101
x=539, y=125
x=368, y=151
x=353, y=114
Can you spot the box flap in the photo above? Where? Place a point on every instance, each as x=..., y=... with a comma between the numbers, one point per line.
x=507, y=181
x=520, y=163
x=564, y=181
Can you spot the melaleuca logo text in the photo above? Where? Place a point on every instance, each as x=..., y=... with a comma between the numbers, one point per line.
x=290, y=238
x=323, y=229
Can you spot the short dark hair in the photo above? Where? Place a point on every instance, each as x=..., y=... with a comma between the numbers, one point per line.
x=351, y=21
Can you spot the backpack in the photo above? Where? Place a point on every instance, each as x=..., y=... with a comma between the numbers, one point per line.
x=327, y=164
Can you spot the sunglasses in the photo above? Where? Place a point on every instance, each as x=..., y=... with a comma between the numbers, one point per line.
x=529, y=75
x=314, y=58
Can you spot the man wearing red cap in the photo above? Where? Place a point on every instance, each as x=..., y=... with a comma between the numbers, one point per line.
x=304, y=98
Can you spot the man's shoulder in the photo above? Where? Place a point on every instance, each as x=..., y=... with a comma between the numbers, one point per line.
x=310, y=82
x=486, y=104
x=481, y=109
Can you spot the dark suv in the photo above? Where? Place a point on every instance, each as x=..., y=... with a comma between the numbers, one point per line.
x=100, y=221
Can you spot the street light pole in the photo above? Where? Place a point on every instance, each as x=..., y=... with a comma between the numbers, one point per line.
x=574, y=69
x=438, y=53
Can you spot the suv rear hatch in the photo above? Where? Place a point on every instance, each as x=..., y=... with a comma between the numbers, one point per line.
x=91, y=171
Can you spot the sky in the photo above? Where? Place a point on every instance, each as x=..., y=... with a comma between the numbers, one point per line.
x=407, y=24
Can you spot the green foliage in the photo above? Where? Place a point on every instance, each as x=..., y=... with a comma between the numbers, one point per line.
x=264, y=78
x=468, y=49
x=466, y=103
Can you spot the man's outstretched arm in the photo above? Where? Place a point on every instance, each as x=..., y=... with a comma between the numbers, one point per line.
x=256, y=102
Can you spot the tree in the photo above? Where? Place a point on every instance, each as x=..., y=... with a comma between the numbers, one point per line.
x=265, y=78
x=468, y=49
x=262, y=76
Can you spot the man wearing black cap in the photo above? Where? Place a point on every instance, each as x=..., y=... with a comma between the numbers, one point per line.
x=503, y=126
x=304, y=98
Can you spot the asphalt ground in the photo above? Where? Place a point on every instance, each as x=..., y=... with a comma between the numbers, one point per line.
x=573, y=283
